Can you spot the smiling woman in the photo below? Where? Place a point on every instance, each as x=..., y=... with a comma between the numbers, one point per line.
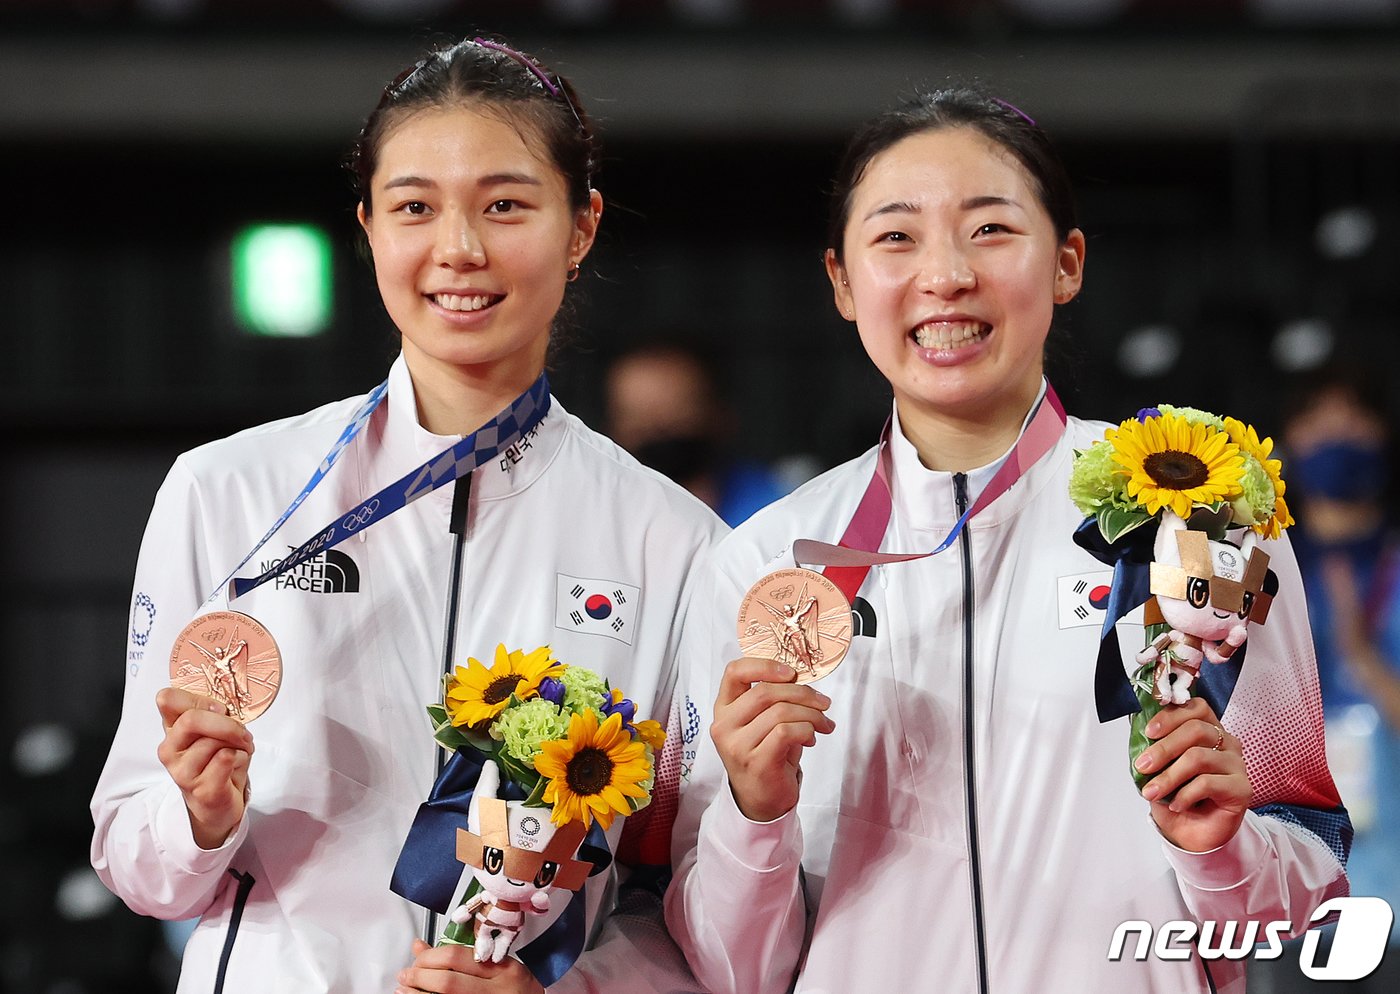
x=475, y=198
x=951, y=269
x=956, y=771
x=475, y=177
x=472, y=241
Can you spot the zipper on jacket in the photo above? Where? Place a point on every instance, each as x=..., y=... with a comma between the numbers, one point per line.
x=969, y=738
x=240, y=900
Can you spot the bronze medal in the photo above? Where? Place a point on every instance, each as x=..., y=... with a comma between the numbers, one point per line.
x=799, y=618
x=230, y=657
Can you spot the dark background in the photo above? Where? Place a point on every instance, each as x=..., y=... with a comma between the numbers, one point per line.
x=1209, y=140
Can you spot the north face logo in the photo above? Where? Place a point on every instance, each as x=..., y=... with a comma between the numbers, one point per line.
x=863, y=618
x=331, y=572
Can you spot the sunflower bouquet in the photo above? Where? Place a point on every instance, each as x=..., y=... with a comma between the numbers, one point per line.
x=1184, y=459
x=527, y=733
x=565, y=738
x=1193, y=477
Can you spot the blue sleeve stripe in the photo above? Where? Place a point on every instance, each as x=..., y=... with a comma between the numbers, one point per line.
x=1332, y=826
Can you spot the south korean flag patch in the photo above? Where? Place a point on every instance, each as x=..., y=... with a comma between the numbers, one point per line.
x=1083, y=598
x=596, y=607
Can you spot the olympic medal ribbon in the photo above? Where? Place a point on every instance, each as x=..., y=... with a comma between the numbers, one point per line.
x=347, y=435
x=478, y=448
x=849, y=562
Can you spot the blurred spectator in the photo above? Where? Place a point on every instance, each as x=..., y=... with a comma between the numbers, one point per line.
x=662, y=405
x=1337, y=468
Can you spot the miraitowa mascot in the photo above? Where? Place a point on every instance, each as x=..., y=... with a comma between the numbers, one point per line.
x=517, y=855
x=1207, y=592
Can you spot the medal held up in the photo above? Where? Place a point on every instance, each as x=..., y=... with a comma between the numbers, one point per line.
x=229, y=658
x=1176, y=500
x=799, y=618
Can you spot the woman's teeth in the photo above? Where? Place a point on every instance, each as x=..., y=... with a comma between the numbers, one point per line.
x=456, y=302
x=949, y=334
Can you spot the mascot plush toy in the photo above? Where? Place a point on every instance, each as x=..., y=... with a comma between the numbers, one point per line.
x=517, y=856
x=1207, y=592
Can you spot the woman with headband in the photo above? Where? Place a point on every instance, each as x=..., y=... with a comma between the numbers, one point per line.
x=475, y=180
x=947, y=812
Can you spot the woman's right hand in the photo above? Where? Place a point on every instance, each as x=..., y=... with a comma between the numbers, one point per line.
x=454, y=970
x=206, y=753
x=763, y=721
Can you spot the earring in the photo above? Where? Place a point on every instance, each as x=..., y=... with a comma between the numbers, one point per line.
x=572, y=274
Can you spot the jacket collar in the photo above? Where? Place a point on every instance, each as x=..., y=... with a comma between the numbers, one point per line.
x=924, y=498
x=405, y=443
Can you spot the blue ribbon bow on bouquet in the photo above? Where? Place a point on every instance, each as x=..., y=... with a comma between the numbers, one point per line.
x=1131, y=558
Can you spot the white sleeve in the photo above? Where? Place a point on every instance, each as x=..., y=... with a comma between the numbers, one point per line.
x=1287, y=857
x=736, y=905
x=1270, y=871
x=633, y=952
x=142, y=844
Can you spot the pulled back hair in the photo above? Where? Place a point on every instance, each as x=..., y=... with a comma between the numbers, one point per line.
x=955, y=107
x=501, y=80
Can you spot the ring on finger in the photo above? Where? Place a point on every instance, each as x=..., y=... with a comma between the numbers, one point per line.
x=1219, y=738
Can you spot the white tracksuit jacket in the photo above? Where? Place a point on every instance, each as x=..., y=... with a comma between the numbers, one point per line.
x=298, y=898
x=1065, y=848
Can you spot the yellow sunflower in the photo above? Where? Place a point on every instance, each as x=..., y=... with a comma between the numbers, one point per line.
x=476, y=693
x=1247, y=439
x=593, y=772
x=1173, y=463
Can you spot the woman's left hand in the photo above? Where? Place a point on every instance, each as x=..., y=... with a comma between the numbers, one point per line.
x=1201, y=790
x=454, y=970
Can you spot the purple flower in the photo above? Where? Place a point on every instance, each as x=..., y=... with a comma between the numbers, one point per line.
x=1148, y=412
x=552, y=690
x=620, y=705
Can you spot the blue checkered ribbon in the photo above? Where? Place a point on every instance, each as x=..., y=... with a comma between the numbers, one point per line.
x=362, y=413
x=478, y=448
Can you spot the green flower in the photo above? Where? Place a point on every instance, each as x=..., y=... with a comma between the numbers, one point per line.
x=1256, y=504
x=1194, y=415
x=525, y=726
x=584, y=690
x=1097, y=480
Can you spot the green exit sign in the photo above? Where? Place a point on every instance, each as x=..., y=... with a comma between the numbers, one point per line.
x=282, y=280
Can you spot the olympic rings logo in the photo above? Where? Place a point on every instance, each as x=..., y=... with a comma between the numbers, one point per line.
x=362, y=517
